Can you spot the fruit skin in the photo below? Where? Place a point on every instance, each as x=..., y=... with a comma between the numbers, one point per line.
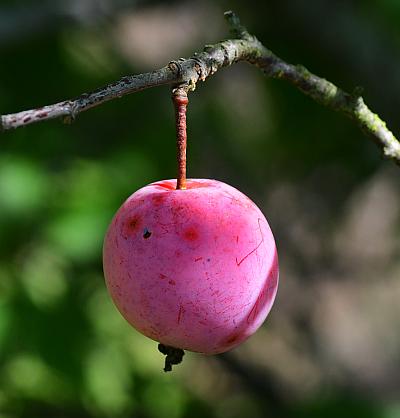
x=195, y=269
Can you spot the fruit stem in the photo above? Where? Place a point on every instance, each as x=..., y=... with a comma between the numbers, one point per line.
x=180, y=100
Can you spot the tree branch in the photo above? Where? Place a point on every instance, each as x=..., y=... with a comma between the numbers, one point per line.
x=244, y=47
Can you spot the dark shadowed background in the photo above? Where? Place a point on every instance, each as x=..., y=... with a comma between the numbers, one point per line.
x=331, y=345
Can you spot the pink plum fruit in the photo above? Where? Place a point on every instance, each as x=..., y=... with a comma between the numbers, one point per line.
x=195, y=269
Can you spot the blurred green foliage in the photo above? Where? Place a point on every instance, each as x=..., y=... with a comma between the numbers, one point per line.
x=64, y=349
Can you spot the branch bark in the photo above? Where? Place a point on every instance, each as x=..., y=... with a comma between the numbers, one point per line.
x=188, y=72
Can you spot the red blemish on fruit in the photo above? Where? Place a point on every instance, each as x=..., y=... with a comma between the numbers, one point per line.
x=191, y=234
x=27, y=119
x=131, y=225
x=232, y=339
x=42, y=115
x=198, y=258
x=162, y=276
x=177, y=253
x=191, y=184
x=180, y=313
x=172, y=282
x=203, y=322
x=237, y=239
x=158, y=199
x=165, y=185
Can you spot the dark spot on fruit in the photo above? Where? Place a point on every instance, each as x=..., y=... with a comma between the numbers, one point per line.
x=198, y=258
x=146, y=233
x=208, y=259
x=162, y=276
x=172, y=282
x=191, y=234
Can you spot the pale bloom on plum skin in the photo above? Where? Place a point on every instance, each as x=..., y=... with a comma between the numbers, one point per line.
x=195, y=269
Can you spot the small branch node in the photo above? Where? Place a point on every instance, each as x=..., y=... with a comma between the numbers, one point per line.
x=200, y=68
x=72, y=112
x=175, y=67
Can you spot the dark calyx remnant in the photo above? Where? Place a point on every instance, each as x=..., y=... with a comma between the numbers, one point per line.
x=174, y=356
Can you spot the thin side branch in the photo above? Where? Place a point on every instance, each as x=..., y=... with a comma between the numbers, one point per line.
x=244, y=47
